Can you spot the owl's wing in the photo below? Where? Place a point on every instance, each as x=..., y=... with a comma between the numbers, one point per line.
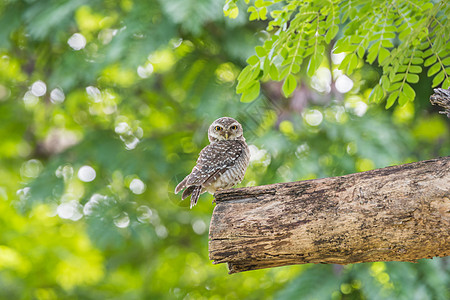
x=213, y=161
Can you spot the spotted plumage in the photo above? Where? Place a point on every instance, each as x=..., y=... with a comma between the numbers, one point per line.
x=221, y=164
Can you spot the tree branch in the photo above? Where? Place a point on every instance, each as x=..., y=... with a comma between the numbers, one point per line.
x=399, y=213
x=441, y=97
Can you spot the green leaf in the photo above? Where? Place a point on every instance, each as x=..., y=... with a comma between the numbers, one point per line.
x=295, y=68
x=314, y=63
x=391, y=99
x=247, y=76
x=416, y=61
x=244, y=78
x=438, y=78
x=343, y=48
x=253, y=13
x=284, y=53
x=384, y=53
x=387, y=43
x=345, y=62
x=388, y=35
x=260, y=51
x=427, y=6
x=233, y=13
x=402, y=99
x=430, y=60
x=231, y=10
x=266, y=66
x=331, y=33
x=373, y=52
x=273, y=72
x=263, y=13
x=353, y=63
x=433, y=69
x=360, y=51
x=412, y=78
x=253, y=60
x=251, y=93
x=289, y=85
x=415, y=69
x=371, y=56
x=446, y=83
x=409, y=92
x=385, y=83
x=259, y=3
x=284, y=72
x=398, y=77
x=377, y=94
x=394, y=87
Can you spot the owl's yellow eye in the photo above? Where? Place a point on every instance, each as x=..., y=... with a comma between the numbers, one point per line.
x=234, y=127
x=217, y=128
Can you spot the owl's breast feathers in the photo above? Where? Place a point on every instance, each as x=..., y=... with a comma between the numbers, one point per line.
x=215, y=159
x=220, y=165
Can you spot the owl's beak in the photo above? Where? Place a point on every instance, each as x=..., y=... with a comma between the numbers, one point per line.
x=226, y=135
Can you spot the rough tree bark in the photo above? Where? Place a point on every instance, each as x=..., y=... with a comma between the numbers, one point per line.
x=399, y=213
x=441, y=97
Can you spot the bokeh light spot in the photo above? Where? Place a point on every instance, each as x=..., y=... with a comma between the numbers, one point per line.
x=144, y=213
x=286, y=127
x=344, y=84
x=364, y=164
x=259, y=156
x=122, y=220
x=39, y=88
x=337, y=58
x=64, y=171
x=199, y=226
x=130, y=142
x=31, y=168
x=93, y=203
x=30, y=99
x=106, y=35
x=351, y=148
x=77, y=41
x=145, y=71
x=86, y=173
x=70, y=210
x=321, y=80
x=346, y=288
x=94, y=93
x=4, y=92
x=122, y=128
x=161, y=231
x=57, y=96
x=226, y=72
x=137, y=186
x=313, y=117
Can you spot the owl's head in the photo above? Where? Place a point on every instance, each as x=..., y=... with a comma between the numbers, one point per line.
x=225, y=129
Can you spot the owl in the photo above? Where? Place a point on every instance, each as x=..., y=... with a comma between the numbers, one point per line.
x=221, y=164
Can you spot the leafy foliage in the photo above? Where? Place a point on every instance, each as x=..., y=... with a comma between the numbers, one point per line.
x=404, y=37
x=95, y=137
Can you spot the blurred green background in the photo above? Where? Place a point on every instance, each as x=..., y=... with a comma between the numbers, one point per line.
x=104, y=107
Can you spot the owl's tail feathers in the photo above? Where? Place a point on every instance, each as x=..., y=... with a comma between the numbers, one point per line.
x=197, y=190
x=187, y=192
x=194, y=191
x=181, y=186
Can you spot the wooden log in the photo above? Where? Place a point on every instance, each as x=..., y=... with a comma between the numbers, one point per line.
x=398, y=213
x=441, y=97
